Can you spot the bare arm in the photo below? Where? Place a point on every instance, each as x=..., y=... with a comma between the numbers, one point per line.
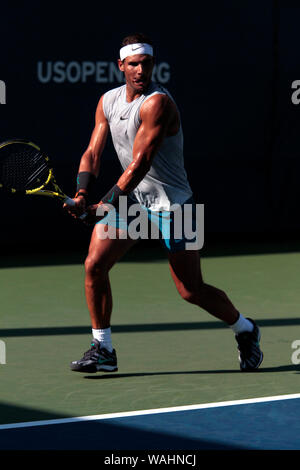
x=159, y=119
x=90, y=160
x=158, y=115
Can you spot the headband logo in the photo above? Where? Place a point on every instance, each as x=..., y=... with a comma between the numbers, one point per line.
x=134, y=48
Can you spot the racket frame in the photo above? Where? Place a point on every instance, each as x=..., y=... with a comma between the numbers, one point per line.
x=40, y=191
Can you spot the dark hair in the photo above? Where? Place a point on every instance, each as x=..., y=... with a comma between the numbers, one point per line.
x=136, y=38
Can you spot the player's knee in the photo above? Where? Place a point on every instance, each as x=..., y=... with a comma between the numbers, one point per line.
x=187, y=294
x=190, y=297
x=193, y=296
x=94, y=268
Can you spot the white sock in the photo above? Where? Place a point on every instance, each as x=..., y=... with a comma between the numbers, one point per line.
x=242, y=325
x=104, y=336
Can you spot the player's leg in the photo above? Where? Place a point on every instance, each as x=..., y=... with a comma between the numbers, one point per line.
x=186, y=272
x=103, y=253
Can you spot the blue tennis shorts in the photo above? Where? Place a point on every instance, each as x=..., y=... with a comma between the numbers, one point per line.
x=175, y=229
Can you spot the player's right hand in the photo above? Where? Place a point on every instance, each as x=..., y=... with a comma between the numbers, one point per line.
x=79, y=208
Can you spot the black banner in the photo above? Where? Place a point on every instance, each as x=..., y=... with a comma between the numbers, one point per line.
x=232, y=68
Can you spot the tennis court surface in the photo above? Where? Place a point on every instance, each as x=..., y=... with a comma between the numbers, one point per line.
x=178, y=384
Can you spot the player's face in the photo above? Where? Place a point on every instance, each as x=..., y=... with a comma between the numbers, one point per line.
x=138, y=71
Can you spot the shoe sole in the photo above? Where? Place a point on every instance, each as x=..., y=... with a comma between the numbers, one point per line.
x=93, y=370
x=107, y=369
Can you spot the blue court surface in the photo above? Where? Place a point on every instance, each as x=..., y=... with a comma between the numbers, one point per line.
x=270, y=423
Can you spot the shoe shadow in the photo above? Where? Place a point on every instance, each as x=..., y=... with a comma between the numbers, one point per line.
x=116, y=375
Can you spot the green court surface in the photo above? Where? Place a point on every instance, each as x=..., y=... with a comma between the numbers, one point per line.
x=170, y=353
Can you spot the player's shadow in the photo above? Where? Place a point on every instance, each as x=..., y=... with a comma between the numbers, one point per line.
x=116, y=375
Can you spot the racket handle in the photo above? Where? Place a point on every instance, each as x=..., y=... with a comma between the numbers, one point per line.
x=69, y=201
x=83, y=216
x=72, y=203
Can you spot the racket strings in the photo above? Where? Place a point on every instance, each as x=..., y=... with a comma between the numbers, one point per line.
x=23, y=167
x=36, y=176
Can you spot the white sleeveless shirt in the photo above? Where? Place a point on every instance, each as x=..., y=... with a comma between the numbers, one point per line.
x=166, y=182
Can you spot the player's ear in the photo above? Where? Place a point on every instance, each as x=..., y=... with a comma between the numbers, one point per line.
x=121, y=65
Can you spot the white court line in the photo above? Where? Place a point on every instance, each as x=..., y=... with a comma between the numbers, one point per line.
x=148, y=412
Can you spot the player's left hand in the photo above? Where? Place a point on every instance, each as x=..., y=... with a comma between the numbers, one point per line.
x=90, y=217
x=94, y=215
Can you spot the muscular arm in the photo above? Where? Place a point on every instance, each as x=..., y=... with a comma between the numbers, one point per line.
x=158, y=116
x=159, y=119
x=90, y=160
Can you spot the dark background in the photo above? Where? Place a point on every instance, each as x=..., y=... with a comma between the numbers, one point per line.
x=232, y=65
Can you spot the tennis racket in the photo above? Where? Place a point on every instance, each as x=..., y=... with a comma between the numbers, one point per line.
x=25, y=169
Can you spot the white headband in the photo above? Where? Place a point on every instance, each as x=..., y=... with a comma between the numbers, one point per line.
x=138, y=48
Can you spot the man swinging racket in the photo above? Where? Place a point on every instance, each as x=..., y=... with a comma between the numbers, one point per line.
x=146, y=131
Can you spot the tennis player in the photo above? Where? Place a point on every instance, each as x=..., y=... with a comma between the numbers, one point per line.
x=145, y=126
